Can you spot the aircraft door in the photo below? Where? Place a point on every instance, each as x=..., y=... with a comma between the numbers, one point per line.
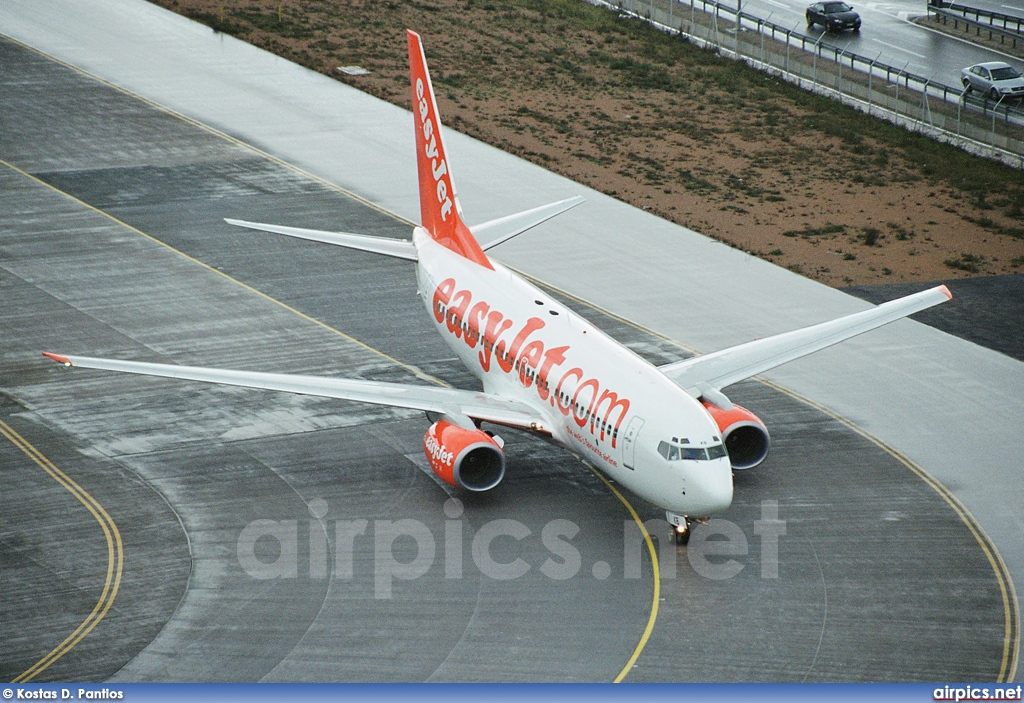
x=629, y=442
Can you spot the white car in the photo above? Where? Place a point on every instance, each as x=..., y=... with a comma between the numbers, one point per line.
x=995, y=79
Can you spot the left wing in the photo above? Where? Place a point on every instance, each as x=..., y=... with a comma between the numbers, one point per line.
x=707, y=374
x=451, y=402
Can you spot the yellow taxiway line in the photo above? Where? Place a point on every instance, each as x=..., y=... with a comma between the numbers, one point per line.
x=115, y=554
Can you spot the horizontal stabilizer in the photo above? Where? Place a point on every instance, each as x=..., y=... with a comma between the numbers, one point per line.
x=700, y=375
x=398, y=248
x=451, y=402
x=493, y=233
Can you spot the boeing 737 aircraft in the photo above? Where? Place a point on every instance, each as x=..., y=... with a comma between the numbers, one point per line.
x=668, y=434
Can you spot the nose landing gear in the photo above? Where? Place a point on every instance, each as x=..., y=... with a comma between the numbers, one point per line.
x=680, y=527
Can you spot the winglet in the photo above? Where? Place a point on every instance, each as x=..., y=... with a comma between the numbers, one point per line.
x=945, y=291
x=58, y=358
x=440, y=213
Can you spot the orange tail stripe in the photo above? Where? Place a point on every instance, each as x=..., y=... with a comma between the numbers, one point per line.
x=439, y=209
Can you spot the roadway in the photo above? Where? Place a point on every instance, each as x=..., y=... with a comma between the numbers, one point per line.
x=889, y=37
x=869, y=543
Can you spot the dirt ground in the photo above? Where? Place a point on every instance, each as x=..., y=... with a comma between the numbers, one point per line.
x=679, y=131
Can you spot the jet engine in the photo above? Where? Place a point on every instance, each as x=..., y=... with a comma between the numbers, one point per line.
x=746, y=437
x=470, y=460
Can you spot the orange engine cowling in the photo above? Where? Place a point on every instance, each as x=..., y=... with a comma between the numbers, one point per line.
x=746, y=437
x=470, y=460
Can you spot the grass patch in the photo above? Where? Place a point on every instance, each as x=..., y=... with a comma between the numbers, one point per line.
x=808, y=232
x=902, y=233
x=993, y=226
x=694, y=183
x=966, y=262
x=870, y=236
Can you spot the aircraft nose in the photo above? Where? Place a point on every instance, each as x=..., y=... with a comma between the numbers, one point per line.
x=721, y=495
x=717, y=493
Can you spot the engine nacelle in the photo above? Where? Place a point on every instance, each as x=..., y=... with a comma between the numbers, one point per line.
x=746, y=437
x=470, y=460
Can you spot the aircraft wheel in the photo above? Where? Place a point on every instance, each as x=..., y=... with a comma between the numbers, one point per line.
x=681, y=537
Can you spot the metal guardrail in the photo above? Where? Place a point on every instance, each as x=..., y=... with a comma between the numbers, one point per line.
x=948, y=14
x=992, y=17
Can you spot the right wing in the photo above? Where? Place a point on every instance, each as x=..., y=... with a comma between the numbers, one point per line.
x=451, y=402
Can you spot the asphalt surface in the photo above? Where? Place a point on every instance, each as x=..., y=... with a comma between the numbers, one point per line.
x=112, y=243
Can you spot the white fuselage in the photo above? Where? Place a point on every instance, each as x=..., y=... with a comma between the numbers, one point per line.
x=599, y=399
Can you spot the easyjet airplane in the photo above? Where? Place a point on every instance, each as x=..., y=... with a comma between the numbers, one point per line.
x=667, y=433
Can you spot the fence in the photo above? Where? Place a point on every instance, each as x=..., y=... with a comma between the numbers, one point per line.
x=948, y=113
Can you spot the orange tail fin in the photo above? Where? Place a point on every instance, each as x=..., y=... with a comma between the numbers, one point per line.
x=439, y=209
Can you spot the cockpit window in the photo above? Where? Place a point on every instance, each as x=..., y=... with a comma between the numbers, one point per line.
x=673, y=452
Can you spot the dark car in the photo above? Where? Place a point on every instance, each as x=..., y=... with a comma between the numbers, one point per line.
x=833, y=16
